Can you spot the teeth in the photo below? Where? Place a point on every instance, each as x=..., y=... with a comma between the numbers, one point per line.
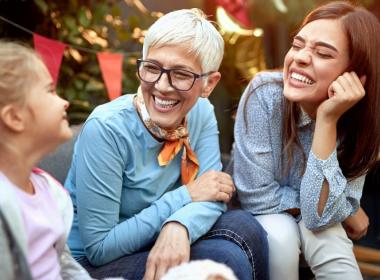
x=301, y=78
x=163, y=102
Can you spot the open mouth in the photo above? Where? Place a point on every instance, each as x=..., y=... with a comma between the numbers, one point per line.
x=301, y=78
x=166, y=104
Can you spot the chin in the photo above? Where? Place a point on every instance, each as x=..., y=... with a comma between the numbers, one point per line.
x=67, y=135
x=166, y=125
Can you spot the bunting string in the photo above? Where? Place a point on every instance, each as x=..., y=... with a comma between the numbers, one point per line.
x=51, y=51
x=83, y=49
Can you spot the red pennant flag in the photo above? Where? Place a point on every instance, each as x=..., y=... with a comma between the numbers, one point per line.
x=111, y=67
x=51, y=52
x=238, y=9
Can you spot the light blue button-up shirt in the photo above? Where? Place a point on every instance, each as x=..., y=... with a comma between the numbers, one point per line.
x=258, y=174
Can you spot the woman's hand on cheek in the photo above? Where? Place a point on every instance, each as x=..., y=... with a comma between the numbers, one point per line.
x=343, y=94
x=212, y=186
x=172, y=248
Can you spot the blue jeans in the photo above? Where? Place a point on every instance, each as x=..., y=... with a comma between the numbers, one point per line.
x=236, y=240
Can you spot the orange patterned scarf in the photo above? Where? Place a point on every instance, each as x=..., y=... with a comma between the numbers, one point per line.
x=174, y=141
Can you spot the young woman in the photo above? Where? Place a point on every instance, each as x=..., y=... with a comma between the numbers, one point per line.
x=145, y=178
x=35, y=210
x=306, y=137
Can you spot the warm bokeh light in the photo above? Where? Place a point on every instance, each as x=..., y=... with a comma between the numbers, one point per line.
x=228, y=25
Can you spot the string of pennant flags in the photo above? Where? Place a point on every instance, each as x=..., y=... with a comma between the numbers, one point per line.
x=110, y=63
x=51, y=52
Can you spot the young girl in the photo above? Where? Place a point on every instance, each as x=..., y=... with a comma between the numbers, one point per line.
x=306, y=137
x=35, y=211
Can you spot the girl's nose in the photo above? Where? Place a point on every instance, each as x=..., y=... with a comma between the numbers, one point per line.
x=66, y=103
x=303, y=56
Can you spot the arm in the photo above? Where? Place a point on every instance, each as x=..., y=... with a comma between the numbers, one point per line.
x=326, y=196
x=343, y=196
x=257, y=154
x=199, y=217
x=100, y=159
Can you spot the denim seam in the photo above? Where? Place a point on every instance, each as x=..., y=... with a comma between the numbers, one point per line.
x=250, y=256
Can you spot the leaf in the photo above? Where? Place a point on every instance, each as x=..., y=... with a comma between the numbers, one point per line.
x=84, y=17
x=42, y=5
x=84, y=76
x=100, y=12
x=79, y=84
x=70, y=94
x=70, y=22
x=94, y=85
x=72, y=39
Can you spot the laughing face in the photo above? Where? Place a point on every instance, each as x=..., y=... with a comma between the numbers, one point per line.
x=319, y=54
x=167, y=106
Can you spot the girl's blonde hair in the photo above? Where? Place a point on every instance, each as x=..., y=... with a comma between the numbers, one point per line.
x=19, y=68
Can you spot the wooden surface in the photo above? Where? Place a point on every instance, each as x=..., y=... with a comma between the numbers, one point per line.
x=368, y=260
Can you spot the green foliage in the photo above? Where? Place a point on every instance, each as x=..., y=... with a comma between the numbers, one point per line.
x=91, y=26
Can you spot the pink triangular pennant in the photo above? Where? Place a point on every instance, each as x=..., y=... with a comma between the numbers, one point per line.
x=111, y=67
x=238, y=9
x=51, y=52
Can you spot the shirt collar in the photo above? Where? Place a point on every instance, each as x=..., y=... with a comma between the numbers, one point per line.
x=304, y=119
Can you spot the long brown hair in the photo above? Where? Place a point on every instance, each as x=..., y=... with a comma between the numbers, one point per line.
x=358, y=129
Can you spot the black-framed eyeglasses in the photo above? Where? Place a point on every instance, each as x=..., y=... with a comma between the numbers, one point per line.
x=179, y=79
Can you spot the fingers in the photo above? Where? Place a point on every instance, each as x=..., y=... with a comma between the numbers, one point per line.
x=335, y=89
x=150, y=270
x=157, y=267
x=222, y=196
x=161, y=270
x=212, y=186
x=349, y=87
x=226, y=187
x=226, y=179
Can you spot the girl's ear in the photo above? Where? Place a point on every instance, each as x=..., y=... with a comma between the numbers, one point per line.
x=212, y=81
x=12, y=117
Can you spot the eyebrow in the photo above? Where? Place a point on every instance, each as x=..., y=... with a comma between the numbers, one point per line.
x=318, y=43
x=178, y=66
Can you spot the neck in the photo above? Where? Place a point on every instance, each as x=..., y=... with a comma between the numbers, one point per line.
x=17, y=166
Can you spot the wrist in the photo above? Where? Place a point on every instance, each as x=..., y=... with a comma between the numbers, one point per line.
x=327, y=118
x=177, y=226
x=190, y=191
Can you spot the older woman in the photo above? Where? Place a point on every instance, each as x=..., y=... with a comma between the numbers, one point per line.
x=145, y=178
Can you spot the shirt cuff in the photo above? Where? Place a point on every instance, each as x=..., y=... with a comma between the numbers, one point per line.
x=331, y=171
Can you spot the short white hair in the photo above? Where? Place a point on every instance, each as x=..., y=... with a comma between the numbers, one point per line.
x=188, y=27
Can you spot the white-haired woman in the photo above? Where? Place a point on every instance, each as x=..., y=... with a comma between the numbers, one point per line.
x=145, y=178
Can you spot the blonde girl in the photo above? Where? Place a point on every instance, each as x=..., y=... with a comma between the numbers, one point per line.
x=35, y=211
